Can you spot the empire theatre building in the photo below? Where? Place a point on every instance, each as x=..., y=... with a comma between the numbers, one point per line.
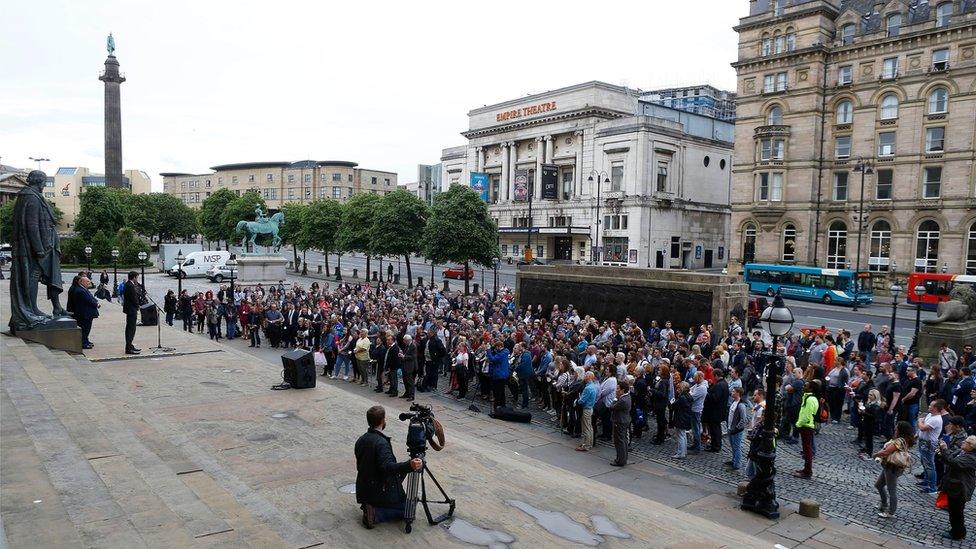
x=592, y=174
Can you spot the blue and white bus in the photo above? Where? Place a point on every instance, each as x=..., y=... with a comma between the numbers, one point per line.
x=810, y=283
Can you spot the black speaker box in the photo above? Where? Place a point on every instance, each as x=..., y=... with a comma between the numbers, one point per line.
x=508, y=414
x=299, y=369
x=149, y=315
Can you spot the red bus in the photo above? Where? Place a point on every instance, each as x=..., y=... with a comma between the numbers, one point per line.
x=937, y=287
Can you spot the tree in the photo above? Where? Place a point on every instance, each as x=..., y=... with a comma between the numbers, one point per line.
x=211, y=215
x=73, y=250
x=292, y=229
x=160, y=216
x=102, y=245
x=241, y=207
x=320, y=226
x=101, y=208
x=397, y=226
x=130, y=253
x=357, y=222
x=460, y=230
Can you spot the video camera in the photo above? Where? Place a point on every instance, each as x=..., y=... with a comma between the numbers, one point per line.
x=420, y=430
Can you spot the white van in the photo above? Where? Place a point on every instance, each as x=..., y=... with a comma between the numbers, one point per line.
x=198, y=263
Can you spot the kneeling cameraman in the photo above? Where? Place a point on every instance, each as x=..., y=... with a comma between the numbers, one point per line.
x=379, y=478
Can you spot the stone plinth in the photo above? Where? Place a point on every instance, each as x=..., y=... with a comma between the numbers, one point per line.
x=62, y=334
x=252, y=269
x=686, y=298
x=954, y=334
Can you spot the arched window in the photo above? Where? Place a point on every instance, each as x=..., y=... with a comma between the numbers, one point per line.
x=880, y=255
x=845, y=112
x=927, y=247
x=766, y=45
x=847, y=33
x=837, y=245
x=971, y=253
x=943, y=14
x=889, y=107
x=939, y=101
x=789, y=243
x=893, y=24
x=775, y=116
x=779, y=43
x=790, y=39
x=749, y=244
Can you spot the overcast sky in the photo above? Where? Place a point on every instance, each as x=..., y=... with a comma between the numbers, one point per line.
x=385, y=84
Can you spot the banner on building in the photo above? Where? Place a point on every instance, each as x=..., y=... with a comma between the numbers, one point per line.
x=479, y=184
x=550, y=185
x=632, y=256
x=521, y=185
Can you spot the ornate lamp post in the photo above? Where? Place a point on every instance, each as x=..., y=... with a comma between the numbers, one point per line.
x=895, y=290
x=115, y=272
x=88, y=252
x=919, y=293
x=143, y=256
x=232, y=265
x=180, y=258
x=866, y=169
x=601, y=178
x=760, y=496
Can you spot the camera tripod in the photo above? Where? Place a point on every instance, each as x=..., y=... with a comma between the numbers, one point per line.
x=415, y=480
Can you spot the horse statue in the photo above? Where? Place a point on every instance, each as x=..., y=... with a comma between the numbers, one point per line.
x=252, y=229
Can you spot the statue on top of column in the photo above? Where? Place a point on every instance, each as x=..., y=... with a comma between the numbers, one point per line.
x=110, y=44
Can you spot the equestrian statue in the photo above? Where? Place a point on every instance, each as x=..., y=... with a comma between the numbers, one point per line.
x=262, y=225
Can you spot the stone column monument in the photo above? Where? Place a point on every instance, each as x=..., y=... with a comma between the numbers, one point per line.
x=113, y=117
x=955, y=326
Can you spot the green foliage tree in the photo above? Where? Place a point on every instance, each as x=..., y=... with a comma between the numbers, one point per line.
x=101, y=208
x=460, y=230
x=320, y=226
x=124, y=237
x=211, y=215
x=240, y=208
x=73, y=250
x=397, y=226
x=130, y=253
x=292, y=229
x=160, y=216
x=357, y=222
x=102, y=245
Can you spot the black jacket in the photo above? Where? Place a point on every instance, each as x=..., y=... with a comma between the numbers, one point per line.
x=437, y=350
x=82, y=303
x=130, y=297
x=682, y=412
x=716, y=407
x=379, y=478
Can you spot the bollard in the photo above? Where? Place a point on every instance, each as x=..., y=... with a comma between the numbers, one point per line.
x=375, y=277
x=447, y=285
x=291, y=265
x=476, y=292
x=337, y=271
x=809, y=508
x=319, y=269
x=355, y=273
x=396, y=279
x=420, y=281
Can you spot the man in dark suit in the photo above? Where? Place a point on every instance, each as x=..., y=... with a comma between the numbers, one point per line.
x=620, y=416
x=84, y=306
x=409, y=365
x=434, y=353
x=716, y=410
x=130, y=306
x=290, y=325
x=391, y=363
x=379, y=478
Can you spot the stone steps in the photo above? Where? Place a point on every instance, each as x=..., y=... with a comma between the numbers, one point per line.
x=117, y=480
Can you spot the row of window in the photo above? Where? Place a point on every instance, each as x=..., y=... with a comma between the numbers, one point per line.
x=777, y=42
x=769, y=185
x=195, y=184
x=927, y=238
x=894, y=22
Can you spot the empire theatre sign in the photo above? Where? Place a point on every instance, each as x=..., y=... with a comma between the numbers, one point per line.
x=525, y=111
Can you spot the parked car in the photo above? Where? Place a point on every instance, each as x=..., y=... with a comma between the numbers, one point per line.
x=457, y=272
x=198, y=263
x=219, y=273
x=6, y=252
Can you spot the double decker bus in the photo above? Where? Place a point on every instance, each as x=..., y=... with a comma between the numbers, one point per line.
x=937, y=287
x=810, y=283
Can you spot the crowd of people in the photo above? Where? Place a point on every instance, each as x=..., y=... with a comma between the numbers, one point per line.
x=617, y=381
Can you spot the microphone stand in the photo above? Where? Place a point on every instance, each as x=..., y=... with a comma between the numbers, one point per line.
x=159, y=336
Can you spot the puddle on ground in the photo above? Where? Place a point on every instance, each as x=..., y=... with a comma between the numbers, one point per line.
x=348, y=488
x=214, y=384
x=559, y=524
x=476, y=535
x=320, y=520
x=281, y=415
x=263, y=437
x=605, y=526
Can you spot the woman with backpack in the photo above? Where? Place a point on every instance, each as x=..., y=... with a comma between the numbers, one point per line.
x=895, y=459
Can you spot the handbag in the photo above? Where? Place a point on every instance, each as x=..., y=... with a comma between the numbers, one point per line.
x=900, y=458
x=942, y=500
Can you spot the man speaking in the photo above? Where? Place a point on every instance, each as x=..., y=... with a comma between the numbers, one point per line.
x=379, y=478
x=130, y=306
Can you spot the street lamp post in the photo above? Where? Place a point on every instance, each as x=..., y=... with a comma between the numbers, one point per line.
x=88, y=252
x=232, y=265
x=39, y=160
x=865, y=169
x=601, y=177
x=180, y=258
x=760, y=496
x=143, y=256
x=115, y=272
x=919, y=292
x=895, y=290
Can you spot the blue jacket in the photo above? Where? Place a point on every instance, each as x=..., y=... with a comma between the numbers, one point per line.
x=498, y=363
x=587, y=398
x=524, y=368
x=544, y=361
x=84, y=305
